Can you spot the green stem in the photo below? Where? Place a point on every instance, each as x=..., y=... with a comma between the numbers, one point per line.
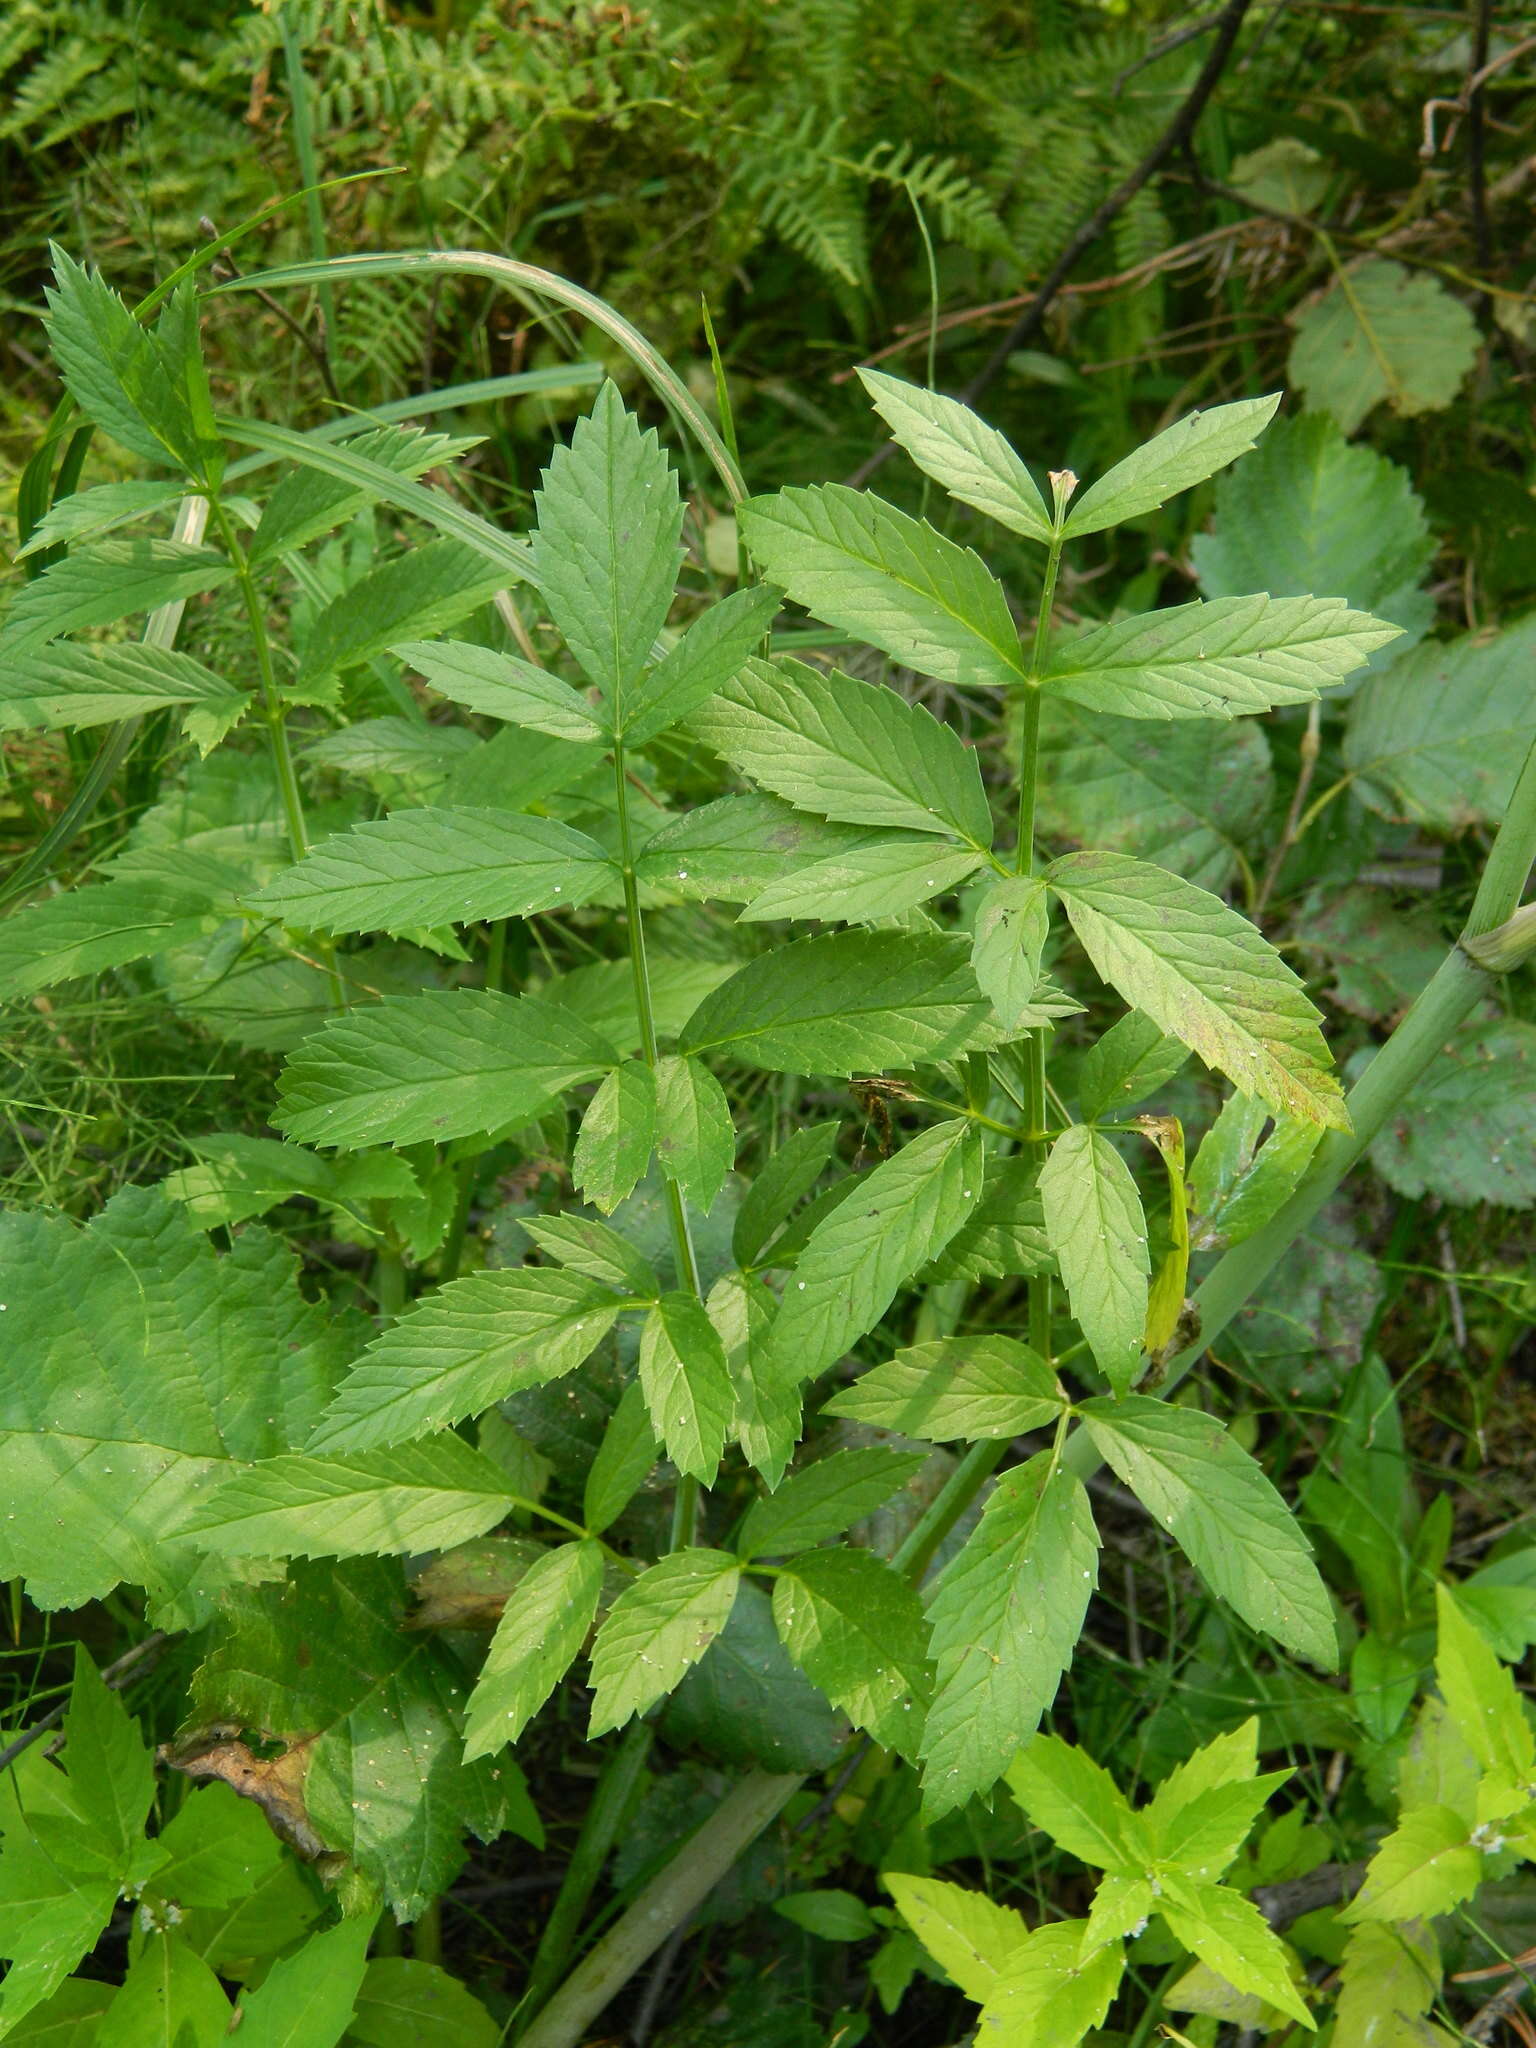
x=665, y=1904
x=427, y=1934
x=605, y=1814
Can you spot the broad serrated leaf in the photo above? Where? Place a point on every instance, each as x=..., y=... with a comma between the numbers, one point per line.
x=423, y=755
x=784, y=1178
x=1203, y=974
x=541, y=1631
x=1095, y=1226
x=695, y=1132
x=1194, y=796
x=1196, y=1482
x=428, y=1496
x=1005, y=1618
x=308, y=502
x=856, y=1629
x=1186, y=453
x=1079, y=1805
x=1388, y=1981
x=968, y=1935
x=687, y=1387
x=218, y=1850
x=1439, y=739
x=374, y=1765
x=847, y=1003
x=443, y=1065
x=100, y=584
x=890, y=875
x=953, y=1388
x=501, y=686
x=731, y=850
x=1426, y=1866
x=468, y=1345
x=1049, y=1994
x=52, y=1912
x=136, y=1365
x=656, y=1629
x=1012, y=921
x=432, y=867
x=853, y=751
x=891, y=580
x=902, y=1214
x=171, y=1999
x=1131, y=1061
x=74, y=686
x=425, y=591
x=106, y=925
x=617, y=1135
x=957, y=448
x=1382, y=332
x=1004, y=1235
x=607, y=551
x=1230, y=1934
x=824, y=1499
x=111, y=1767
x=407, y=2004
x=306, y=2000
x=1219, y=659
x=711, y=654
x=1467, y=1131
x=1310, y=512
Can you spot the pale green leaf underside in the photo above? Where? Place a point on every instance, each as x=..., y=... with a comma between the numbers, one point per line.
x=500, y=686
x=432, y=867
x=968, y=1934
x=1382, y=332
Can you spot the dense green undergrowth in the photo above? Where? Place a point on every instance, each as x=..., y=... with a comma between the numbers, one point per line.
x=766, y=1244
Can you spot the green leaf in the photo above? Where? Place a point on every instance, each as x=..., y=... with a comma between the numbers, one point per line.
x=74, y=686
x=106, y=925
x=171, y=1999
x=786, y=1176
x=1184, y=454
x=1231, y=1935
x=902, y=1213
x=767, y=1417
x=238, y=1177
x=623, y=1461
x=52, y=1912
x=468, y=1345
x=1388, y=1980
x=710, y=654
x=111, y=1768
x=427, y=1497
x=541, y=1631
x=1131, y=1061
x=687, y=1387
x=1012, y=921
x=1439, y=738
x=1203, y=974
x=1079, y=1805
x=607, y=550
x=136, y=1365
x=731, y=850
x=879, y=880
x=959, y=450
x=825, y=1499
x=431, y=867
x=421, y=592
x=307, y=1999
x=307, y=502
x=1426, y=1866
x=656, y=1629
x=86, y=515
x=373, y=1766
x=100, y=584
x=746, y=1702
x=968, y=1935
x=1004, y=1236
x=1048, y=1994
x=1192, y=796
x=1310, y=512
x=406, y=2004
x=1467, y=1131
x=853, y=751
x=846, y=1003
x=1095, y=1226
x=695, y=1131
x=861, y=565
x=71, y=2018
x=1215, y=660
x=500, y=686
x=955, y=1387
x=1202, y=1833
x=1197, y=1483
x=421, y=754
x=829, y=1915
x=1481, y=1694
x=448, y=1064
x=584, y=1245
x=218, y=1850
x=1382, y=332
x=1005, y=1618
x=617, y=1136
x=856, y=1629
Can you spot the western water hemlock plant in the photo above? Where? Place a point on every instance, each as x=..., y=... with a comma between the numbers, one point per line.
x=554, y=869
